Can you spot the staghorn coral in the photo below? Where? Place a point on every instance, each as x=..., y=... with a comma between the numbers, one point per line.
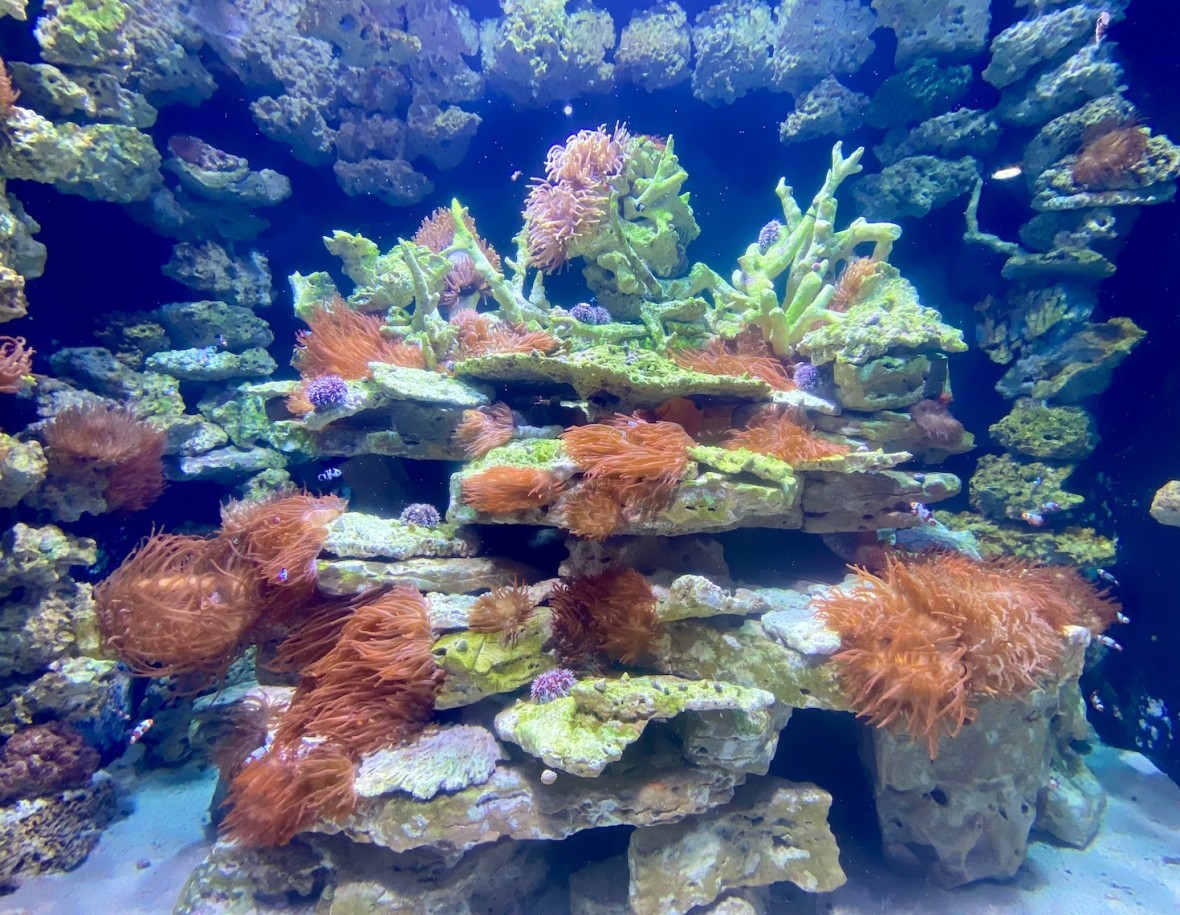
x=113, y=442
x=505, y=610
x=784, y=434
x=481, y=335
x=482, y=430
x=1110, y=152
x=746, y=354
x=613, y=614
x=343, y=342
x=922, y=641
x=179, y=606
x=503, y=490
x=16, y=359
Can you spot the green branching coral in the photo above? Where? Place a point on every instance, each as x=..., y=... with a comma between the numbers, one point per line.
x=806, y=252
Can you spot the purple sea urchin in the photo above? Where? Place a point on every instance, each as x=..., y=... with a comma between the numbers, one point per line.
x=421, y=514
x=552, y=684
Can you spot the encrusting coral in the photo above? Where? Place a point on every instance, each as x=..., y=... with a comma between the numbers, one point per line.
x=927, y=638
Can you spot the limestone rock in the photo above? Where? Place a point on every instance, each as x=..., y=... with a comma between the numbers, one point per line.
x=773, y=830
x=1165, y=507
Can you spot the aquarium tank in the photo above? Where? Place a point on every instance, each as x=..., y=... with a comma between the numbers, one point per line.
x=589, y=457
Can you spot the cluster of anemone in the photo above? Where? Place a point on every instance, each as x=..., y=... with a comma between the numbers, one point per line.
x=574, y=199
x=482, y=335
x=109, y=446
x=462, y=283
x=344, y=342
x=748, y=354
x=505, y=489
x=1111, y=151
x=504, y=611
x=612, y=615
x=933, y=417
x=783, y=433
x=923, y=641
x=630, y=469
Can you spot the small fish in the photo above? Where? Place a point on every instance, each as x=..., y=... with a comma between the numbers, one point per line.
x=925, y=515
x=1101, y=26
x=1122, y=617
x=1036, y=519
x=139, y=730
x=332, y=473
x=516, y=175
x=1109, y=642
x=1047, y=508
x=221, y=342
x=1007, y=173
x=282, y=576
x=1038, y=482
x=1096, y=702
x=1107, y=577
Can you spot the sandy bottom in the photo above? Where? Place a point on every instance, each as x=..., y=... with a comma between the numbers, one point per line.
x=1133, y=865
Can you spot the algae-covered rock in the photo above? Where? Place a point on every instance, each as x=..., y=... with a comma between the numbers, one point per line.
x=1074, y=368
x=450, y=575
x=1041, y=431
x=653, y=787
x=772, y=831
x=208, y=363
x=1165, y=506
x=356, y=535
x=1005, y=488
x=440, y=759
x=589, y=729
x=890, y=321
x=695, y=597
x=22, y=469
x=638, y=378
x=1070, y=545
x=480, y=664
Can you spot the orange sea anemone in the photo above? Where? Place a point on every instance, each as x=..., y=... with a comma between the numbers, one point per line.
x=481, y=335
x=341, y=341
x=482, y=430
x=16, y=356
x=784, y=434
x=934, y=418
x=178, y=606
x=593, y=510
x=281, y=534
x=437, y=232
x=286, y=790
x=613, y=613
x=858, y=274
x=505, y=489
x=630, y=450
x=1111, y=150
x=376, y=685
x=505, y=610
x=112, y=441
x=929, y=636
x=747, y=354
